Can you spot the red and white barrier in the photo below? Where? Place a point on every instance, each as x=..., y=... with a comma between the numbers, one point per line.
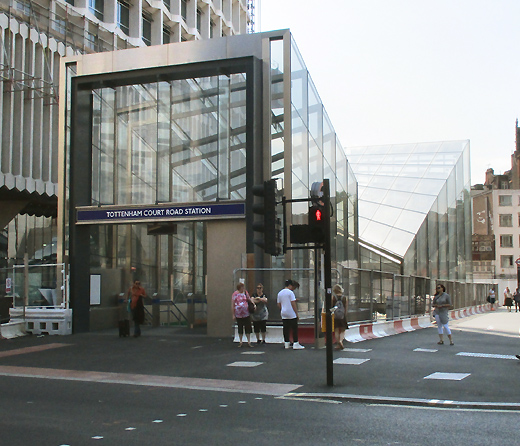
x=362, y=332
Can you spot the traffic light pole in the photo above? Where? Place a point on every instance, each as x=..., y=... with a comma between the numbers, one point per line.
x=319, y=242
x=328, y=283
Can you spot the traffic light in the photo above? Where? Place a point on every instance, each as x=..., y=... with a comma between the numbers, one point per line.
x=317, y=223
x=266, y=220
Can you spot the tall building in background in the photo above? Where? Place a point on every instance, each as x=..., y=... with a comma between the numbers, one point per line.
x=35, y=36
x=496, y=224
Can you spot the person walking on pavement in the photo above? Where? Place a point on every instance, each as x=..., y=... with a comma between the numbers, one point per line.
x=287, y=304
x=508, y=299
x=516, y=298
x=339, y=302
x=491, y=298
x=136, y=295
x=240, y=311
x=442, y=305
x=261, y=314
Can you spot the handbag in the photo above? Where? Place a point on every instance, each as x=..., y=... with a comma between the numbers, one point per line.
x=251, y=306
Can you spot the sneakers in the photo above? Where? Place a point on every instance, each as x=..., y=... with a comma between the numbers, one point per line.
x=297, y=346
x=287, y=345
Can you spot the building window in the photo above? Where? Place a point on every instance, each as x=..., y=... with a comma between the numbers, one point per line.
x=504, y=185
x=506, y=261
x=505, y=220
x=167, y=3
x=96, y=7
x=123, y=16
x=70, y=2
x=184, y=9
x=147, y=30
x=90, y=40
x=211, y=28
x=24, y=7
x=166, y=35
x=59, y=25
x=506, y=241
x=199, y=20
x=505, y=200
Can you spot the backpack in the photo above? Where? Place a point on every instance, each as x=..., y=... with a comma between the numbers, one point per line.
x=340, y=310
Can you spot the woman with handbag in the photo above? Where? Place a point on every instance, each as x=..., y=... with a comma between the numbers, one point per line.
x=240, y=309
x=442, y=305
x=339, y=302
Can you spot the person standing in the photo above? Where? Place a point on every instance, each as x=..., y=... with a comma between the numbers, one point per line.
x=516, y=298
x=289, y=311
x=492, y=298
x=442, y=305
x=136, y=295
x=261, y=314
x=339, y=301
x=508, y=299
x=240, y=311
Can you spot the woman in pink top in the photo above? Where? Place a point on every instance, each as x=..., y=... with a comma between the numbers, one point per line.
x=240, y=312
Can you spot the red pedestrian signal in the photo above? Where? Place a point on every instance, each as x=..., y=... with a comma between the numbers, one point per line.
x=318, y=215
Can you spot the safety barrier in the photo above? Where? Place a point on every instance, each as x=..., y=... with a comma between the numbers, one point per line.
x=363, y=332
x=12, y=329
x=374, y=330
x=50, y=321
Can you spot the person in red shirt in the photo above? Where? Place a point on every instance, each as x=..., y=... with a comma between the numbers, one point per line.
x=136, y=294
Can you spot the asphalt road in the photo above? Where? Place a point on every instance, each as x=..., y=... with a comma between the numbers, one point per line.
x=170, y=388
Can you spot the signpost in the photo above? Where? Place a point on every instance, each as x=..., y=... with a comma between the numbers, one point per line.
x=517, y=261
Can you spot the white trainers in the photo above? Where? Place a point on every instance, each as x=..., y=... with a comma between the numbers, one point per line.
x=287, y=344
x=297, y=346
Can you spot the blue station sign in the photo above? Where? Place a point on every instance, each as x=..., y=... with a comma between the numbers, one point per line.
x=165, y=212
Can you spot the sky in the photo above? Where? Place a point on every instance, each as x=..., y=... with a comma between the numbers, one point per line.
x=404, y=71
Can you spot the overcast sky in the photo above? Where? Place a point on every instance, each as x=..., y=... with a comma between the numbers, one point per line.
x=400, y=71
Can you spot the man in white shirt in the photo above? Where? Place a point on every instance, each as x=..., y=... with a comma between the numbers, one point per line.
x=287, y=304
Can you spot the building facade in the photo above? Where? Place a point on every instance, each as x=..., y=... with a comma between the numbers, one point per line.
x=36, y=36
x=162, y=148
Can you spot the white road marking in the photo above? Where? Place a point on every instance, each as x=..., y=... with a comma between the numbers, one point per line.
x=157, y=421
x=357, y=350
x=487, y=355
x=253, y=353
x=181, y=414
x=130, y=429
x=448, y=376
x=426, y=350
x=244, y=364
x=350, y=361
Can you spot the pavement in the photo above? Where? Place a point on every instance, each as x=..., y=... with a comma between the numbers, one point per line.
x=479, y=372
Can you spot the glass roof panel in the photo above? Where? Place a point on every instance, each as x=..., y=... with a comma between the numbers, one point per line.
x=406, y=180
x=410, y=221
x=398, y=241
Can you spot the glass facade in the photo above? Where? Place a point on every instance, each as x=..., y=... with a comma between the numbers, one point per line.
x=316, y=154
x=165, y=142
x=415, y=203
x=185, y=140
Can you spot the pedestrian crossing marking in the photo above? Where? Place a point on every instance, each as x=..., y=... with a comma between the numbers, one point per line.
x=244, y=364
x=448, y=376
x=350, y=361
x=487, y=355
x=357, y=350
x=426, y=350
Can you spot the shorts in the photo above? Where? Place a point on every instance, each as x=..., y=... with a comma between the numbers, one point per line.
x=244, y=323
x=260, y=326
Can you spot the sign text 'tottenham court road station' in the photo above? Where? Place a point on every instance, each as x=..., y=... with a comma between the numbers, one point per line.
x=143, y=214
